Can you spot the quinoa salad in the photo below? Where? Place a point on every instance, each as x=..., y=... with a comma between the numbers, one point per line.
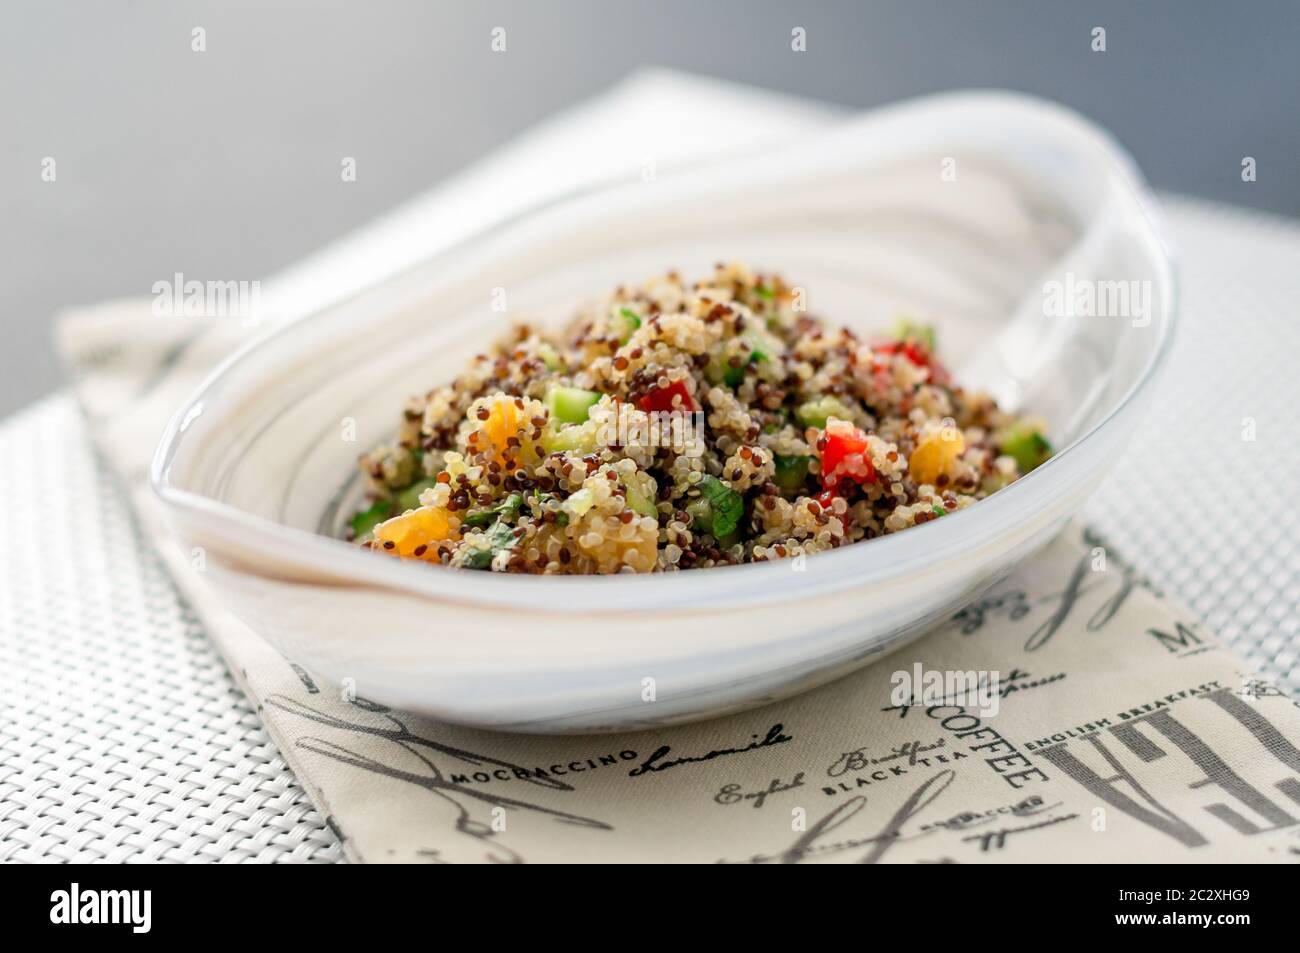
x=686, y=425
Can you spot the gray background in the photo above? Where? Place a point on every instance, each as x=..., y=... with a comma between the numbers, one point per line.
x=225, y=164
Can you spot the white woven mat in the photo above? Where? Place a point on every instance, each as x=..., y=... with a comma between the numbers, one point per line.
x=122, y=734
x=123, y=737
x=1210, y=515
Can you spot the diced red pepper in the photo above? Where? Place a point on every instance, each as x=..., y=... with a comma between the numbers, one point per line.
x=846, y=457
x=826, y=500
x=661, y=399
x=918, y=354
x=914, y=351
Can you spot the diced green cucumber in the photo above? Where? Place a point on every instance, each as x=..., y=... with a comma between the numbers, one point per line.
x=570, y=405
x=719, y=371
x=409, y=498
x=763, y=344
x=906, y=330
x=815, y=413
x=625, y=324
x=791, y=472
x=576, y=437
x=640, y=503
x=580, y=501
x=1027, y=447
x=550, y=357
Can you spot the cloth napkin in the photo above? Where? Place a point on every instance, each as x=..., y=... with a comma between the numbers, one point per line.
x=1073, y=713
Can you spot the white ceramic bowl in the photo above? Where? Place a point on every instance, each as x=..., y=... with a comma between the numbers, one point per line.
x=871, y=221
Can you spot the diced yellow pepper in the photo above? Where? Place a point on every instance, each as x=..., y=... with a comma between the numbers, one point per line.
x=935, y=454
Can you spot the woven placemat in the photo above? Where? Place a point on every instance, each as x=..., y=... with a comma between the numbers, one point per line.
x=1205, y=509
x=122, y=734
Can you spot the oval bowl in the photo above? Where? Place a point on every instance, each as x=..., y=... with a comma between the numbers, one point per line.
x=972, y=211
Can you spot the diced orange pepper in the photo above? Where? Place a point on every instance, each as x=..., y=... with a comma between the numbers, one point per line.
x=502, y=423
x=413, y=534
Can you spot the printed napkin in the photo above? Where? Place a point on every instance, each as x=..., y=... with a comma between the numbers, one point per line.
x=1071, y=714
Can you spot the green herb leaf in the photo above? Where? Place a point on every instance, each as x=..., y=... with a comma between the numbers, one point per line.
x=507, y=509
x=726, y=504
x=500, y=537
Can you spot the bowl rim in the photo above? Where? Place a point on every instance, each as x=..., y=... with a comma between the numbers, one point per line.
x=890, y=557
